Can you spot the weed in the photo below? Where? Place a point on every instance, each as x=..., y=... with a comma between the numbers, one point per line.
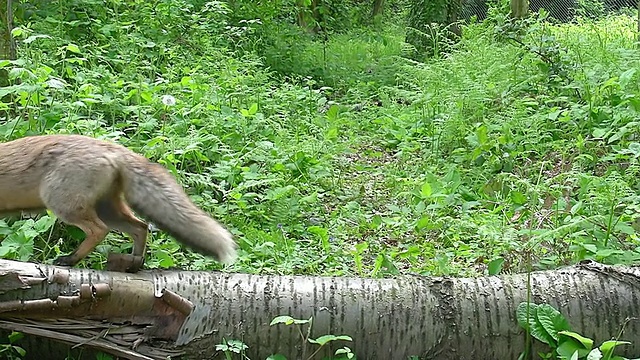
x=548, y=325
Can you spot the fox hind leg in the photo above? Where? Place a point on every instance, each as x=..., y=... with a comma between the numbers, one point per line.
x=89, y=222
x=117, y=215
x=72, y=191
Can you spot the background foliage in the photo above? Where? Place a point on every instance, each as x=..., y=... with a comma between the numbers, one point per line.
x=327, y=150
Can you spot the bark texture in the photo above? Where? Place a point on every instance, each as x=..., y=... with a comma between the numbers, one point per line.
x=190, y=312
x=519, y=8
x=378, y=6
x=7, y=42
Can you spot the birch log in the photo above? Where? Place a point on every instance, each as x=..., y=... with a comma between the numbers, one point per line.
x=171, y=312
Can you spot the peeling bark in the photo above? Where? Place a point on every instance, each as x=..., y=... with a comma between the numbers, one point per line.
x=170, y=312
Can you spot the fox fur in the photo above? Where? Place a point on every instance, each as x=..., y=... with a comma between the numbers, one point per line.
x=91, y=183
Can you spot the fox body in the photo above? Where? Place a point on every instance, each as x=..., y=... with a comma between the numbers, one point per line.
x=91, y=183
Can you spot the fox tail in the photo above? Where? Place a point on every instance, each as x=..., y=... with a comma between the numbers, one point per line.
x=154, y=193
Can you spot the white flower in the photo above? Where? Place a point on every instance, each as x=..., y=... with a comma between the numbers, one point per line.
x=168, y=100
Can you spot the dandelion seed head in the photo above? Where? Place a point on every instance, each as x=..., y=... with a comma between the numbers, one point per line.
x=168, y=100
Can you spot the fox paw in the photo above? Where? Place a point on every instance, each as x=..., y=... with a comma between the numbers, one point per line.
x=63, y=261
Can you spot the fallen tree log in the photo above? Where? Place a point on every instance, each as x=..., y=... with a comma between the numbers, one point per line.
x=155, y=314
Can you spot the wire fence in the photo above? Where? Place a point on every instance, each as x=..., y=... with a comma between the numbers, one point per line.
x=560, y=10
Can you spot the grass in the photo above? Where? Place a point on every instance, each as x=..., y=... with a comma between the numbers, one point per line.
x=338, y=156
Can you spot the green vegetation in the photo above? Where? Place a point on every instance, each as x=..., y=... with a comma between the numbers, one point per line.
x=332, y=152
x=547, y=325
x=229, y=347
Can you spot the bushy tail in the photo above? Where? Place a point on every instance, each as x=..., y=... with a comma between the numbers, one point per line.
x=154, y=193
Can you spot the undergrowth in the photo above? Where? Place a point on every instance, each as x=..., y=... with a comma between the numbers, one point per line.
x=336, y=155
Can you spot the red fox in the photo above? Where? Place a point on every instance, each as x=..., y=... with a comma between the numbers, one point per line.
x=90, y=183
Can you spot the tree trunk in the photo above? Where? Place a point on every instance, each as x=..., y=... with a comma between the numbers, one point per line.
x=7, y=43
x=443, y=318
x=378, y=6
x=317, y=16
x=452, y=16
x=309, y=17
x=519, y=8
x=302, y=14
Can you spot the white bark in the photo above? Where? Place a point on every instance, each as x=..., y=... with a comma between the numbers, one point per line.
x=443, y=318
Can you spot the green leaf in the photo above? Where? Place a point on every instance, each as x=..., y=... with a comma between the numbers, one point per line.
x=287, y=320
x=423, y=222
x=345, y=352
x=585, y=341
x=576, y=207
x=322, y=340
x=495, y=266
x=5, y=250
x=319, y=231
x=15, y=336
x=518, y=198
x=426, y=190
x=618, y=135
x=103, y=356
x=624, y=228
x=599, y=133
x=605, y=253
x=593, y=248
x=481, y=135
x=521, y=314
x=554, y=114
x=253, y=109
x=73, y=48
x=533, y=324
x=276, y=357
x=165, y=259
x=17, y=32
x=4, y=91
x=283, y=319
x=332, y=113
x=17, y=72
x=332, y=133
x=22, y=352
x=44, y=224
x=322, y=233
x=385, y=265
x=569, y=347
x=608, y=346
x=5, y=230
x=626, y=76
x=146, y=96
x=551, y=320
